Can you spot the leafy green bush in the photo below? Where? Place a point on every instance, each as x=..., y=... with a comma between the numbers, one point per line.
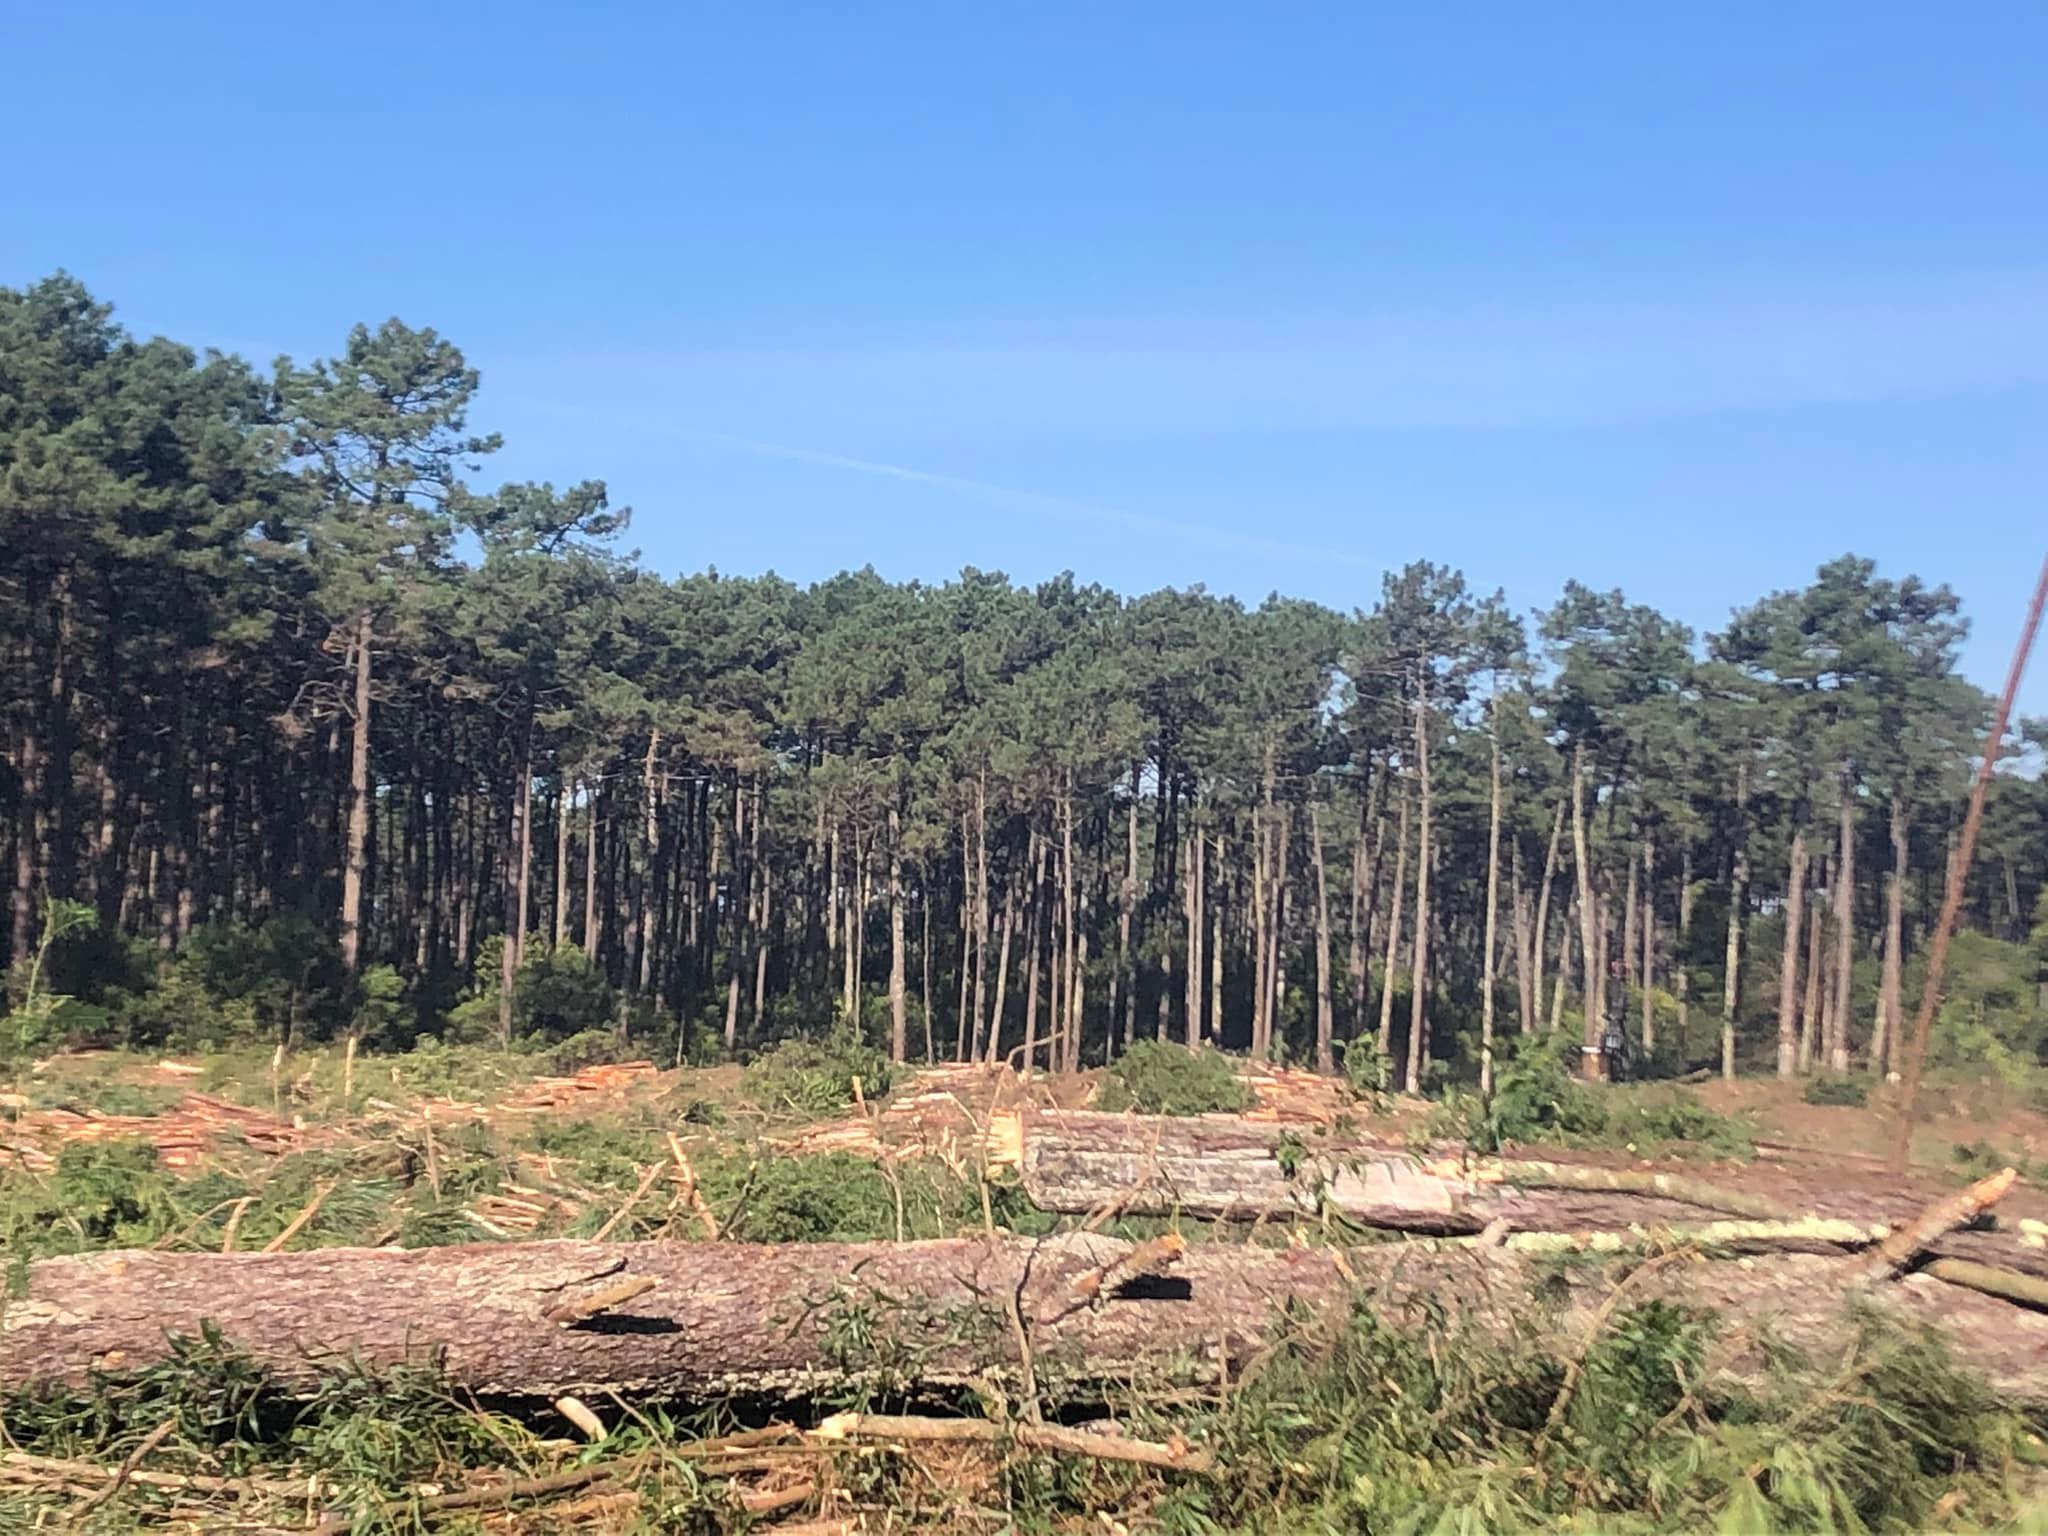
x=102, y=1195
x=180, y=1013
x=815, y=1077
x=1368, y=1070
x=590, y=1048
x=1536, y=1098
x=381, y=1019
x=1852, y=1091
x=45, y=1017
x=561, y=992
x=285, y=972
x=558, y=993
x=1156, y=1077
x=1678, y=1120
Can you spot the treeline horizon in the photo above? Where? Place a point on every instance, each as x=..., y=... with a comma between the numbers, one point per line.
x=275, y=665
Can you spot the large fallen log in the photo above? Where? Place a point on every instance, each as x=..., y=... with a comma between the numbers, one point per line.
x=1225, y=1168
x=1230, y=1168
x=728, y=1318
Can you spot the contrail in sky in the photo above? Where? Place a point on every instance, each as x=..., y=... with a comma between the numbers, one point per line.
x=1065, y=507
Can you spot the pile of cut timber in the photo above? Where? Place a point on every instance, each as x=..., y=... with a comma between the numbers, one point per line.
x=1294, y=1096
x=552, y=1095
x=938, y=1113
x=181, y=1135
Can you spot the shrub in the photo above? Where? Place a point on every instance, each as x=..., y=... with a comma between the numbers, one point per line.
x=46, y=1016
x=381, y=1020
x=590, y=1048
x=1159, y=1078
x=1851, y=1091
x=815, y=1077
x=558, y=993
x=561, y=993
x=1535, y=1096
x=1368, y=1070
x=285, y=969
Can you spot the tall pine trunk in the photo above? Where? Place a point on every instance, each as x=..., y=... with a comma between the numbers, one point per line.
x=1393, y=954
x=1681, y=979
x=356, y=856
x=1365, y=874
x=1035, y=946
x=1738, y=896
x=1845, y=927
x=1884, y=1040
x=1070, y=1022
x=1648, y=927
x=899, y=1020
x=1419, y=959
x=1326, y=1020
x=560, y=910
x=1193, y=1020
x=592, y=835
x=1526, y=947
x=1788, y=968
x=995, y=1017
x=1492, y=916
x=1215, y=948
x=1816, y=954
x=1542, y=929
x=1592, y=1058
x=1123, y=1008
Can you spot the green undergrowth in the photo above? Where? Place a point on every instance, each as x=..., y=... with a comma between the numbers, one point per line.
x=1156, y=1077
x=809, y=1078
x=373, y=1438
x=1852, y=1092
x=1348, y=1425
x=117, y=1194
x=1363, y=1427
x=1537, y=1099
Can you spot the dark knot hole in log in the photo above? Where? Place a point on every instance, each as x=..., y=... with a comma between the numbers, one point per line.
x=624, y=1322
x=1154, y=1288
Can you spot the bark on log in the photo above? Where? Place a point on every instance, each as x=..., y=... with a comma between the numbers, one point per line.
x=729, y=1318
x=1224, y=1168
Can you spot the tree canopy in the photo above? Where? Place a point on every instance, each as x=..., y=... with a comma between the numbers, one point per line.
x=274, y=664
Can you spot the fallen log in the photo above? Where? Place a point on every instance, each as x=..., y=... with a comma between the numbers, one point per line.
x=1992, y=1280
x=729, y=1318
x=1223, y=1168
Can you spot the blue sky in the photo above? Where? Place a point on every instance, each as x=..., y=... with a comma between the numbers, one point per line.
x=1680, y=299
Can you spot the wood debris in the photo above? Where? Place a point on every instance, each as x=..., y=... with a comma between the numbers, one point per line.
x=521, y=1210
x=556, y=1094
x=182, y=1135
